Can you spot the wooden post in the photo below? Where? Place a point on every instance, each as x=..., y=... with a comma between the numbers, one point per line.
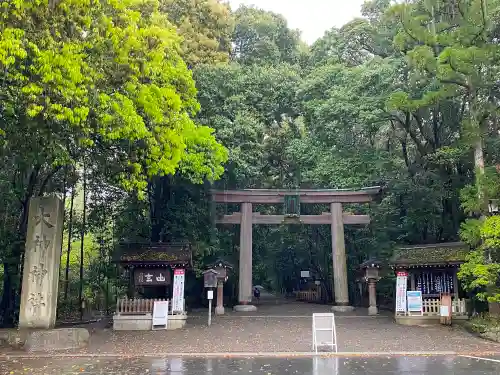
x=219, y=309
x=455, y=284
x=339, y=259
x=245, y=280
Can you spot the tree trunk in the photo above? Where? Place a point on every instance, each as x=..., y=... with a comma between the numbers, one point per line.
x=70, y=235
x=82, y=236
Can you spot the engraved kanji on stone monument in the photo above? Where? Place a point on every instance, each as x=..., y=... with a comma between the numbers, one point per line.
x=44, y=217
x=40, y=245
x=41, y=263
x=38, y=273
x=36, y=301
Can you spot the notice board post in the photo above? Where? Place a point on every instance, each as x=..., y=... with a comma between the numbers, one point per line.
x=324, y=331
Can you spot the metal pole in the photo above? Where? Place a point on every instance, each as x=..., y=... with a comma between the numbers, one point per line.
x=209, y=312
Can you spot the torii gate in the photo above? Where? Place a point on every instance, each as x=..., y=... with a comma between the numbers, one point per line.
x=336, y=218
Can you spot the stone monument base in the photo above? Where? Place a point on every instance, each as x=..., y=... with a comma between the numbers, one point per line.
x=245, y=308
x=219, y=310
x=342, y=308
x=47, y=340
x=372, y=310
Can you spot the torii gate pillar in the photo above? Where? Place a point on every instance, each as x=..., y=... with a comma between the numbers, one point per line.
x=339, y=260
x=245, y=292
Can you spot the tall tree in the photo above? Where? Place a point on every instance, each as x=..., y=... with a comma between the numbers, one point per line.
x=105, y=78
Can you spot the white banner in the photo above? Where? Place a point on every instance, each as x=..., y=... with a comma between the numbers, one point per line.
x=178, y=294
x=401, y=284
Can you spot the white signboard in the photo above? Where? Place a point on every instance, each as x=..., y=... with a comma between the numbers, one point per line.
x=444, y=311
x=305, y=274
x=210, y=294
x=160, y=314
x=324, y=331
x=178, y=293
x=401, y=285
x=414, y=298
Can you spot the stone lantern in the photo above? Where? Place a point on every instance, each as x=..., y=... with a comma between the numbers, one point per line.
x=371, y=270
x=222, y=269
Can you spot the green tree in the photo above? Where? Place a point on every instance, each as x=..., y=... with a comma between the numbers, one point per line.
x=96, y=82
x=205, y=26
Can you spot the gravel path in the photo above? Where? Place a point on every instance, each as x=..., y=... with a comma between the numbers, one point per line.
x=285, y=328
x=355, y=334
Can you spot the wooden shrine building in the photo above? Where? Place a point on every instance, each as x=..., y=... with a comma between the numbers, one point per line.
x=432, y=269
x=150, y=266
x=155, y=272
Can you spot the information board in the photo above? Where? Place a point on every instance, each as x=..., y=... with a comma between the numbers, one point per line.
x=401, y=285
x=178, y=292
x=414, y=298
x=160, y=315
x=324, y=331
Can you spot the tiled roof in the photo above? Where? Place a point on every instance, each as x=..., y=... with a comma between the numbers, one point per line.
x=435, y=254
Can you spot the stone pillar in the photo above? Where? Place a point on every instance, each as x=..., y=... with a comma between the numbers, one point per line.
x=219, y=309
x=372, y=295
x=41, y=263
x=339, y=260
x=245, y=282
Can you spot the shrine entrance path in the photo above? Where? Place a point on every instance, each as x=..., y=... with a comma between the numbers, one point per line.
x=285, y=329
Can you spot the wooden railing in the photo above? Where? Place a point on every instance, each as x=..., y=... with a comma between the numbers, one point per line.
x=136, y=306
x=431, y=306
x=308, y=296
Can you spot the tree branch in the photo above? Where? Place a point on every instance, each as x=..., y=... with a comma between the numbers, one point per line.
x=51, y=174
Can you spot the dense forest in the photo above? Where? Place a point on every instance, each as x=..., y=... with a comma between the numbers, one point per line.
x=133, y=110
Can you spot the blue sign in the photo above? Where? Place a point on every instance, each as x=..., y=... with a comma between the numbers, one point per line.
x=414, y=300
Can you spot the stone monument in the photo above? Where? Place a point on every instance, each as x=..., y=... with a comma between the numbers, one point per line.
x=41, y=263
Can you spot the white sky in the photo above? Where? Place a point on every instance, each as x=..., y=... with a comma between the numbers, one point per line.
x=312, y=17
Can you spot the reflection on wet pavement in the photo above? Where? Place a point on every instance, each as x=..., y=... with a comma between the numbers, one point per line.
x=254, y=366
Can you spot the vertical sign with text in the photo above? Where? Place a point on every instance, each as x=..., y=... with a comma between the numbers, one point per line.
x=178, y=293
x=401, y=285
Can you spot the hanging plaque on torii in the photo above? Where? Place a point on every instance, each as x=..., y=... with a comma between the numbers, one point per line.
x=291, y=208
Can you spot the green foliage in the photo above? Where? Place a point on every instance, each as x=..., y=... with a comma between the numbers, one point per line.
x=142, y=94
x=470, y=232
x=205, y=27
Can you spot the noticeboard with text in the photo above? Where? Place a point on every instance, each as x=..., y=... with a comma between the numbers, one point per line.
x=414, y=298
x=401, y=286
x=178, y=292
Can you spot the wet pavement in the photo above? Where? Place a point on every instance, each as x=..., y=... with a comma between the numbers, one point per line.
x=256, y=366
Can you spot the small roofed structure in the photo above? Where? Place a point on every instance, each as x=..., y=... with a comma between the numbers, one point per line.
x=156, y=271
x=222, y=269
x=431, y=269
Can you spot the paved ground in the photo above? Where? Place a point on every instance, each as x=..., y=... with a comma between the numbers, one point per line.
x=286, y=328
x=257, y=366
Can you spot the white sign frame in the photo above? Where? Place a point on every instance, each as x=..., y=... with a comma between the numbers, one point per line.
x=418, y=298
x=160, y=315
x=329, y=328
x=210, y=294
